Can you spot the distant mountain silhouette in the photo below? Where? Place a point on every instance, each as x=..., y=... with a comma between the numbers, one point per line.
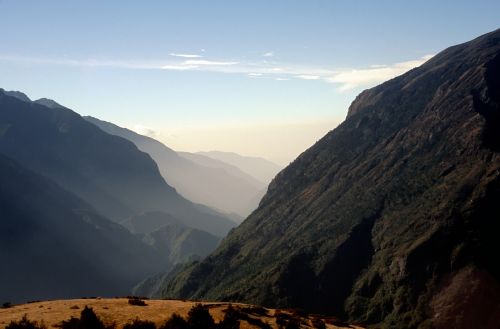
x=54, y=245
x=260, y=168
x=107, y=171
x=17, y=94
x=175, y=241
x=392, y=218
x=49, y=103
x=220, y=186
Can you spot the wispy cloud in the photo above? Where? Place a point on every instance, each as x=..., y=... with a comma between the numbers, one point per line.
x=186, y=55
x=180, y=67
x=146, y=131
x=268, y=54
x=343, y=79
x=308, y=77
x=353, y=78
x=208, y=63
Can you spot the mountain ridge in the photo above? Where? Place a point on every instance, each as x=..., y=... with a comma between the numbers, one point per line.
x=227, y=190
x=107, y=171
x=385, y=218
x=48, y=237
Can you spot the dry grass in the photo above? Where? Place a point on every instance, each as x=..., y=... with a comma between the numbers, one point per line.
x=119, y=311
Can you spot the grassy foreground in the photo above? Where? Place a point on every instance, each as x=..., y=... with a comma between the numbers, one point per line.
x=120, y=312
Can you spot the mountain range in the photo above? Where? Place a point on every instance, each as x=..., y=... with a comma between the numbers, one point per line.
x=390, y=219
x=75, y=200
x=55, y=245
x=260, y=168
x=106, y=171
x=200, y=178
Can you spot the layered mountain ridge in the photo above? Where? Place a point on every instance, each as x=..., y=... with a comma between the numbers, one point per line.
x=390, y=219
x=64, y=182
x=106, y=171
x=220, y=186
x=54, y=245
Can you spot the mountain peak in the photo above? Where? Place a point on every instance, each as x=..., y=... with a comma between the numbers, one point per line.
x=49, y=103
x=17, y=94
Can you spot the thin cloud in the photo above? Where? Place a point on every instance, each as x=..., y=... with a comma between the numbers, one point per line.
x=186, y=55
x=146, y=131
x=208, y=63
x=350, y=79
x=308, y=77
x=343, y=79
x=268, y=54
x=179, y=67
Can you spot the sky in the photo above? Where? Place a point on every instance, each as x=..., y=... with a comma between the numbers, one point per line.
x=263, y=77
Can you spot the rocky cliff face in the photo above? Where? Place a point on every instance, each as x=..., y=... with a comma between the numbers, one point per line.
x=391, y=218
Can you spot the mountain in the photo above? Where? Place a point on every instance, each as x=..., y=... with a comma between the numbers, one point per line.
x=221, y=186
x=49, y=103
x=175, y=241
x=17, y=94
x=260, y=168
x=232, y=170
x=106, y=171
x=391, y=219
x=54, y=245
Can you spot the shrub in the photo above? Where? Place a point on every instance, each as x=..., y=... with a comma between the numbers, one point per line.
x=282, y=319
x=24, y=323
x=231, y=319
x=140, y=324
x=72, y=323
x=88, y=320
x=200, y=318
x=318, y=324
x=265, y=325
x=293, y=324
x=6, y=305
x=136, y=301
x=175, y=322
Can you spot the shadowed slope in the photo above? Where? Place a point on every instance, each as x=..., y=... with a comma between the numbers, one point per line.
x=107, y=171
x=54, y=245
x=388, y=215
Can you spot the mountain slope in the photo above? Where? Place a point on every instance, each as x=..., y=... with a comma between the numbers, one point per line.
x=260, y=168
x=391, y=218
x=49, y=238
x=174, y=241
x=107, y=171
x=221, y=187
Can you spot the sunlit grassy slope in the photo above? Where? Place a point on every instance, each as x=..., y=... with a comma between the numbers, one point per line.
x=119, y=311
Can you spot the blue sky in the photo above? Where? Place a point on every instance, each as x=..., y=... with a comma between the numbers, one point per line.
x=260, y=77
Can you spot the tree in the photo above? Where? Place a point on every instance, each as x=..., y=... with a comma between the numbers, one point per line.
x=88, y=320
x=199, y=318
x=175, y=322
x=231, y=319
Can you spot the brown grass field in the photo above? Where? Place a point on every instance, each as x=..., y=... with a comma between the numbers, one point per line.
x=119, y=311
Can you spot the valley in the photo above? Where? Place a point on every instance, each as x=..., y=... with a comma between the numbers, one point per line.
x=142, y=152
